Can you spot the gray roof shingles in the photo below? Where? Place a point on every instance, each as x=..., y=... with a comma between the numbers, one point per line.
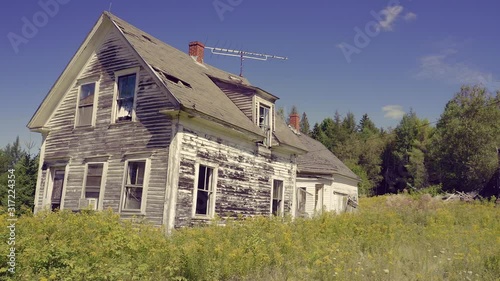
x=203, y=95
x=320, y=160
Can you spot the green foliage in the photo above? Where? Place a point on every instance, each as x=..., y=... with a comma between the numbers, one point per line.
x=460, y=153
x=280, y=112
x=304, y=124
x=25, y=168
x=404, y=158
x=390, y=238
x=466, y=140
x=358, y=146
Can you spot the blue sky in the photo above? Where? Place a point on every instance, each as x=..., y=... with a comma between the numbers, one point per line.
x=370, y=56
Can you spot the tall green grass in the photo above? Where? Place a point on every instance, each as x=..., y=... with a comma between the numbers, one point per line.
x=390, y=238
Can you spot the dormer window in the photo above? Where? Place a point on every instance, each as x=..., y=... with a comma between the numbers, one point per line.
x=126, y=95
x=264, y=119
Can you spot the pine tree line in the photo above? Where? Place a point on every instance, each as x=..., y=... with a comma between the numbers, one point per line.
x=459, y=153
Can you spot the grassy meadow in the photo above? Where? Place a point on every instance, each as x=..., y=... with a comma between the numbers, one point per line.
x=391, y=238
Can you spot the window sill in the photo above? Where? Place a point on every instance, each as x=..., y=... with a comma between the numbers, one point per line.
x=202, y=217
x=132, y=213
x=84, y=128
x=121, y=123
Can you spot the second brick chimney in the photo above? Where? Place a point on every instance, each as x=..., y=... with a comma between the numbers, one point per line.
x=197, y=50
x=295, y=121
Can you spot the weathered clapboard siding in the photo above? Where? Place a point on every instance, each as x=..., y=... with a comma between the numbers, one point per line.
x=150, y=135
x=241, y=97
x=244, y=177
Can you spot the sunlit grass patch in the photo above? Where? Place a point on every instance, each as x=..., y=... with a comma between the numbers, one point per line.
x=390, y=238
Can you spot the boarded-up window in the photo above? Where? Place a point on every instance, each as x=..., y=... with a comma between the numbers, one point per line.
x=277, y=207
x=205, y=191
x=134, y=185
x=86, y=105
x=93, y=180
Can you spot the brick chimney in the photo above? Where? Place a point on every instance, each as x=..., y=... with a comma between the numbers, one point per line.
x=196, y=50
x=295, y=121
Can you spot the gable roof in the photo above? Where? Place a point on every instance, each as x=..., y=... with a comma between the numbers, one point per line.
x=203, y=95
x=320, y=160
x=186, y=81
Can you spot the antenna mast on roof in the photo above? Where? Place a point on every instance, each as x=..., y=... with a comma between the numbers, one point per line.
x=110, y=4
x=243, y=55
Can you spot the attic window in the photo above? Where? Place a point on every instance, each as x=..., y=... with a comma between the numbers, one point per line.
x=264, y=118
x=126, y=82
x=85, y=114
x=172, y=78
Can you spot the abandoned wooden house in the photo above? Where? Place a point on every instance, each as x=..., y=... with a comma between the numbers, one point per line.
x=135, y=125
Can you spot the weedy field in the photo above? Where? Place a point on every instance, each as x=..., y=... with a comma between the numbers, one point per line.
x=390, y=238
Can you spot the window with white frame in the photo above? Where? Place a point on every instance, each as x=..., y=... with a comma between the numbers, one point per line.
x=133, y=191
x=126, y=88
x=85, y=105
x=94, y=182
x=264, y=118
x=204, y=195
x=277, y=202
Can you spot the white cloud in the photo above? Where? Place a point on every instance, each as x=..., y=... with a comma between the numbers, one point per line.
x=390, y=15
x=395, y=112
x=443, y=66
x=410, y=16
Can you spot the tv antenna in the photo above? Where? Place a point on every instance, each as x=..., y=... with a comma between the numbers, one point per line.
x=243, y=55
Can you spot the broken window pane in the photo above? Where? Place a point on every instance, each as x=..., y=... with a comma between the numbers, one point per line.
x=133, y=198
x=134, y=185
x=126, y=94
x=204, y=193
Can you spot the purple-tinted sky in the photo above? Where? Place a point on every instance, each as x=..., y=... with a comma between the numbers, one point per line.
x=377, y=57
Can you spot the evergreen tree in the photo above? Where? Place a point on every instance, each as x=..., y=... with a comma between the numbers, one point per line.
x=25, y=168
x=281, y=112
x=304, y=124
